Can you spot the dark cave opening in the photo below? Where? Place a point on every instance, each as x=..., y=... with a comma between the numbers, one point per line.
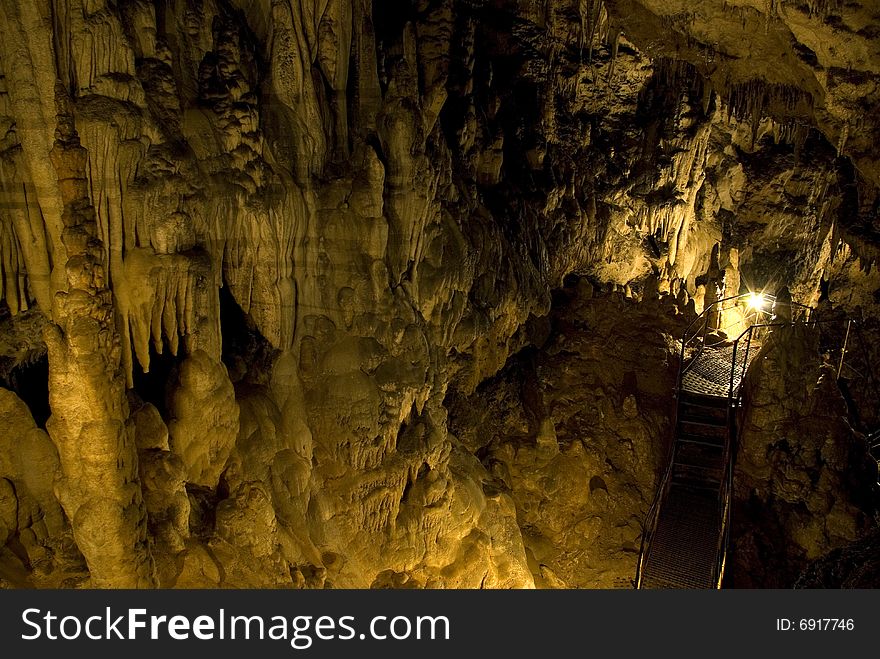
x=29, y=380
x=151, y=386
x=389, y=21
x=247, y=354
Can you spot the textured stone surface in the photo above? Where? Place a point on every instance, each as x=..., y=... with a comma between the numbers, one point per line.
x=203, y=415
x=29, y=512
x=577, y=431
x=803, y=479
x=855, y=566
x=269, y=243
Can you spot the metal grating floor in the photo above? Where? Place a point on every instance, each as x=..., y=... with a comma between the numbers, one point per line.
x=710, y=373
x=684, y=547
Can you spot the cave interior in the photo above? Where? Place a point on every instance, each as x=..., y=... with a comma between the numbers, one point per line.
x=439, y=294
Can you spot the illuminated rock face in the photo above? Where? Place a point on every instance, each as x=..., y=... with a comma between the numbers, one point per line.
x=576, y=430
x=267, y=252
x=802, y=469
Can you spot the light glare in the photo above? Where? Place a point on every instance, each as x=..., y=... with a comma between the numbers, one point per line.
x=757, y=301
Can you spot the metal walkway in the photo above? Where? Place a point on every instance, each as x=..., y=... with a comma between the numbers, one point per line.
x=684, y=544
x=690, y=516
x=688, y=536
x=710, y=373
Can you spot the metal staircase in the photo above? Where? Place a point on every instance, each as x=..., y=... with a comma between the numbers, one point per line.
x=685, y=540
x=688, y=535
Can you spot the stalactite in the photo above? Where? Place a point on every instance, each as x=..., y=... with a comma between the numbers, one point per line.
x=615, y=44
x=583, y=14
x=592, y=13
x=13, y=278
x=792, y=132
x=757, y=99
x=819, y=8
x=675, y=79
x=841, y=142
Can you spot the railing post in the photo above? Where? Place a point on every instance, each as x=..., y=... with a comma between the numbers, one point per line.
x=843, y=350
x=684, y=340
x=706, y=323
x=746, y=359
x=732, y=372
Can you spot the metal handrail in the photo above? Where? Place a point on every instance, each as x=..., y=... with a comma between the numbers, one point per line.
x=873, y=442
x=807, y=323
x=735, y=397
x=701, y=334
x=724, y=501
x=651, y=518
x=705, y=314
x=742, y=347
x=727, y=484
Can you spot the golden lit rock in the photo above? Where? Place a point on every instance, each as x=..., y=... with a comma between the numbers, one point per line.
x=390, y=294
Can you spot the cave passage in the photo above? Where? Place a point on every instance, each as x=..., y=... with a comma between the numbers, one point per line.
x=688, y=530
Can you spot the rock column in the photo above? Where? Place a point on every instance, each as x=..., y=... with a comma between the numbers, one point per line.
x=99, y=487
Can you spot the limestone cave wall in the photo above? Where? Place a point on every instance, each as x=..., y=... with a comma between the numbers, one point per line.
x=385, y=293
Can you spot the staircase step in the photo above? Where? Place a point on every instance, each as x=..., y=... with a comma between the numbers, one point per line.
x=717, y=440
x=702, y=441
x=703, y=422
x=699, y=453
x=696, y=470
x=703, y=400
x=698, y=486
x=697, y=475
x=697, y=429
x=710, y=412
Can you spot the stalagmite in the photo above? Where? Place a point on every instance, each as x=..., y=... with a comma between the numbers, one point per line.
x=99, y=486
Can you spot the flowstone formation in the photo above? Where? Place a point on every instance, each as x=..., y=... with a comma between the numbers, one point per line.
x=266, y=266
x=577, y=429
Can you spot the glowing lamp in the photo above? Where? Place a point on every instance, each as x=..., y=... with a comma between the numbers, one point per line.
x=757, y=301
